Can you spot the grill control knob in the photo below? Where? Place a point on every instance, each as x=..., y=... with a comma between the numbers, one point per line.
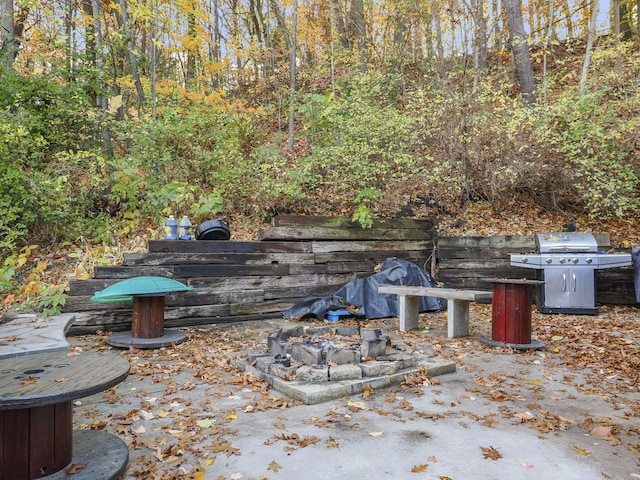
x=525, y=260
x=575, y=260
x=589, y=260
x=562, y=260
x=549, y=260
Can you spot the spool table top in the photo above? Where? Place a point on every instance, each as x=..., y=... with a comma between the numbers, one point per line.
x=52, y=377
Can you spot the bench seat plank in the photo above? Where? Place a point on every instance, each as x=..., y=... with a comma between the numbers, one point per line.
x=457, y=305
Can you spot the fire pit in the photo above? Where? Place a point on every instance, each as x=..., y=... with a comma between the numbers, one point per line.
x=567, y=262
x=319, y=363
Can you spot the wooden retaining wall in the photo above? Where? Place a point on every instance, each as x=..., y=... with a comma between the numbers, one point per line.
x=301, y=257
x=297, y=258
x=464, y=262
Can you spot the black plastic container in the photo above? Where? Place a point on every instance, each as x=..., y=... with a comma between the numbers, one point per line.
x=213, y=230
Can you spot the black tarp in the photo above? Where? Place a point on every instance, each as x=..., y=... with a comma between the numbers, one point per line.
x=362, y=293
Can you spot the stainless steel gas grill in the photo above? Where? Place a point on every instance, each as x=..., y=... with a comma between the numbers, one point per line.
x=567, y=262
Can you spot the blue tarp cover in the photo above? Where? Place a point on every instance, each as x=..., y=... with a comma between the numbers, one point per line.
x=362, y=293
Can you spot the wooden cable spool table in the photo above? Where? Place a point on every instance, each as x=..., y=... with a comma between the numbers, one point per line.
x=511, y=314
x=147, y=324
x=37, y=439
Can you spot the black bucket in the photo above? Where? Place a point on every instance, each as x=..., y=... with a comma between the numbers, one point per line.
x=213, y=230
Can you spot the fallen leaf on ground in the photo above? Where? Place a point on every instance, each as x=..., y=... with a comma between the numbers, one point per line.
x=581, y=451
x=490, y=452
x=75, y=468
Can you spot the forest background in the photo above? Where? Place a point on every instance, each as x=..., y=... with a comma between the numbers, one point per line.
x=492, y=116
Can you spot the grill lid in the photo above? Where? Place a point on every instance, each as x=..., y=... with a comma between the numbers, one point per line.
x=566, y=242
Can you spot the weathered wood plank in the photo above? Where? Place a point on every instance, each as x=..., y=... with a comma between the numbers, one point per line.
x=227, y=246
x=303, y=291
x=264, y=308
x=346, y=222
x=190, y=271
x=474, y=264
x=84, y=303
x=328, y=247
x=369, y=256
x=157, y=258
x=319, y=233
x=444, y=253
x=285, y=281
x=509, y=241
x=526, y=242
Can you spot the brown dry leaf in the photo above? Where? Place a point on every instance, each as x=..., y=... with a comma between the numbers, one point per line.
x=309, y=440
x=367, y=391
x=419, y=468
x=490, y=452
x=274, y=467
x=28, y=381
x=581, y=451
x=332, y=443
x=75, y=468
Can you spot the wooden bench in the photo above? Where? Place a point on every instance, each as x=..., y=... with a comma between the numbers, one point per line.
x=457, y=305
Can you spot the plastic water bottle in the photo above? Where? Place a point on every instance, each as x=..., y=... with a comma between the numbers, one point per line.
x=171, y=229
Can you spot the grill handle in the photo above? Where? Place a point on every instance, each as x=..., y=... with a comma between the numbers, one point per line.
x=568, y=248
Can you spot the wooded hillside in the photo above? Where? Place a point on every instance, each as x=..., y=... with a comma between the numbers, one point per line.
x=486, y=115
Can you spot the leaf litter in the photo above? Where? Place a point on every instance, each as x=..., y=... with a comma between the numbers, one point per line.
x=175, y=431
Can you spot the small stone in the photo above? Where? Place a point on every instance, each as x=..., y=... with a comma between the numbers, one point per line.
x=291, y=332
x=282, y=371
x=404, y=360
x=263, y=363
x=313, y=373
x=373, y=348
x=307, y=354
x=378, y=369
x=347, y=331
x=342, y=356
x=324, y=330
x=345, y=372
x=279, y=348
x=252, y=355
x=370, y=333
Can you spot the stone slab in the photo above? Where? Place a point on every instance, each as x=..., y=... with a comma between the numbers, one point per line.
x=313, y=393
x=27, y=333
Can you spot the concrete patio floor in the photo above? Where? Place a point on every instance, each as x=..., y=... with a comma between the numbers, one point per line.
x=186, y=412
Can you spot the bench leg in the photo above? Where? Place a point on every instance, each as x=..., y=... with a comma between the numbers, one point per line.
x=458, y=318
x=409, y=306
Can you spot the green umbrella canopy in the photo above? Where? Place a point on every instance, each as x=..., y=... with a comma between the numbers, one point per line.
x=126, y=289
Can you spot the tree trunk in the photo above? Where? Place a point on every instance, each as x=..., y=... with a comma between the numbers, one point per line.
x=520, y=49
x=480, y=36
x=337, y=21
x=7, y=33
x=123, y=20
x=292, y=76
x=192, y=49
x=281, y=23
x=358, y=30
x=587, y=55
